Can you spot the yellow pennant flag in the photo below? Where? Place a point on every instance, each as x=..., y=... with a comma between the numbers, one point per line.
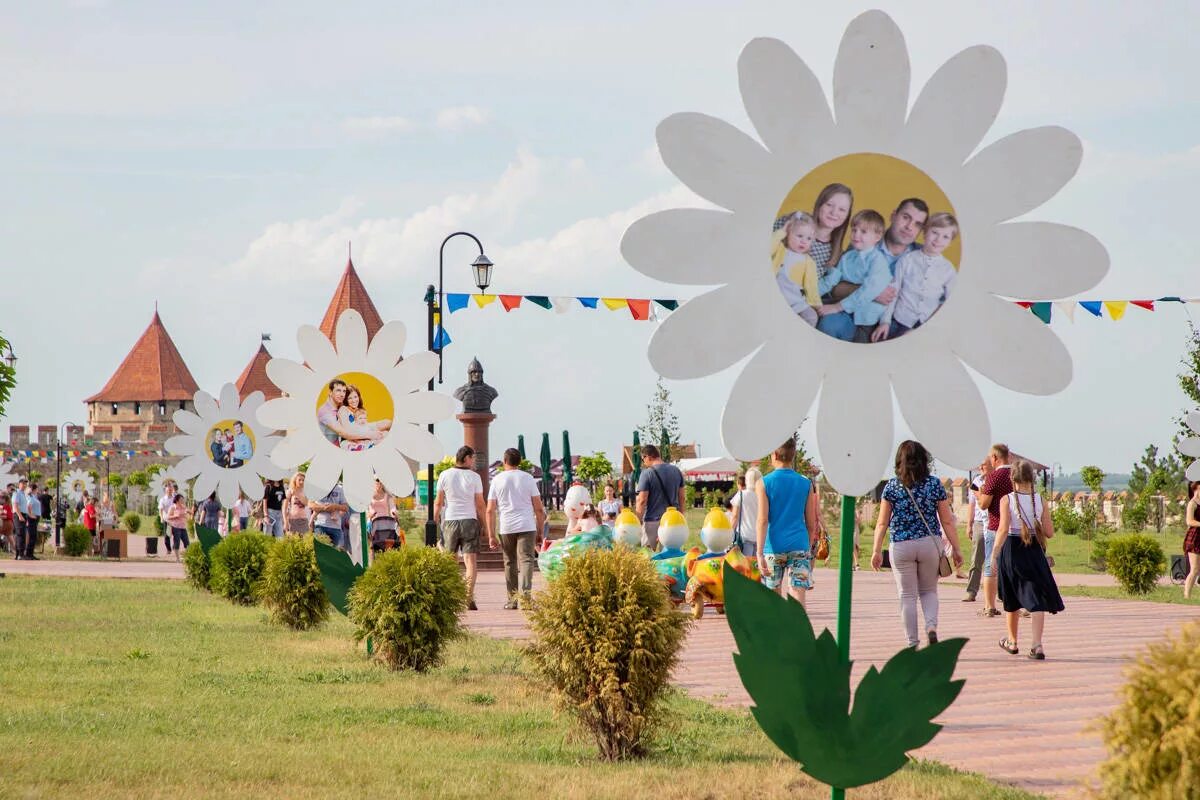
x=482, y=300
x=1116, y=308
x=613, y=303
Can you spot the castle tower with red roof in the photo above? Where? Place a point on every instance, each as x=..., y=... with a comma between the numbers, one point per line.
x=254, y=377
x=350, y=293
x=149, y=386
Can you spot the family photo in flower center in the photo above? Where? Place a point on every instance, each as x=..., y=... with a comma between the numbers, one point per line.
x=867, y=271
x=344, y=418
x=230, y=444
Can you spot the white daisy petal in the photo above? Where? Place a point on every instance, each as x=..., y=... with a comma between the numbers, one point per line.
x=1192, y=473
x=424, y=407
x=1026, y=357
x=318, y=353
x=358, y=481
x=1018, y=173
x=716, y=160
x=184, y=445
x=190, y=467
x=855, y=428
x=1193, y=421
x=229, y=399
x=416, y=443
x=206, y=406
x=413, y=373
x=387, y=346
x=206, y=484
x=714, y=252
x=770, y=399
x=717, y=318
x=278, y=413
x=288, y=375
x=870, y=83
x=955, y=109
x=324, y=471
x=227, y=489
x=189, y=423
x=786, y=103
x=1038, y=260
x=351, y=335
x=944, y=409
x=1189, y=447
x=292, y=451
x=394, y=471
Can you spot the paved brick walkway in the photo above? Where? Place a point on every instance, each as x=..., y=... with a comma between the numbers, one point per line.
x=78, y=568
x=1017, y=721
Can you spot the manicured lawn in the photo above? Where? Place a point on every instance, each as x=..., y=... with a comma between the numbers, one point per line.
x=1160, y=594
x=149, y=688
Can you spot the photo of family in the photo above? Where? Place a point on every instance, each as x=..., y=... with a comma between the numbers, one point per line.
x=344, y=416
x=230, y=444
x=858, y=275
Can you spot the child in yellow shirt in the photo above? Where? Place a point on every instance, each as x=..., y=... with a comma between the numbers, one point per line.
x=795, y=271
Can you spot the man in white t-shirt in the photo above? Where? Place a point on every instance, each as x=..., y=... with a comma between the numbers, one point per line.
x=459, y=507
x=513, y=497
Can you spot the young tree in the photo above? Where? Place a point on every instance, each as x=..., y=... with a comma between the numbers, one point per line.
x=1189, y=378
x=8, y=375
x=595, y=467
x=1093, y=477
x=660, y=416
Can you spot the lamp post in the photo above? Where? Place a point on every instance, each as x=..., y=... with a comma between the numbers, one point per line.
x=60, y=516
x=481, y=269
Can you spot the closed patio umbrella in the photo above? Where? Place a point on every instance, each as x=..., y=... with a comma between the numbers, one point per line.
x=665, y=446
x=568, y=472
x=521, y=445
x=545, y=459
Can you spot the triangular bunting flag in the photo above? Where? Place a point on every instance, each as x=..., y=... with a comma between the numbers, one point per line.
x=1041, y=311
x=483, y=300
x=563, y=304
x=639, y=309
x=1024, y=303
x=588, y=302
x=441, y=338
x=1116, y=308
x=613, y=303
x=510, y=301
x=539, y=300
x=1091, y=306
x=1146, y=304
x=1171, y=300
x=669, y=305
x=1068, y=308
x=456, y=301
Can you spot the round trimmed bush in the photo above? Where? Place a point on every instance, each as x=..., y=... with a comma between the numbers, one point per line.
x=197, y=566
x=133, y=521
x=1153, y=736
x=408, y=602
x=237, y=565
x=606, y=637
x=291, y=585
x=77, y=540
x=1135, y=561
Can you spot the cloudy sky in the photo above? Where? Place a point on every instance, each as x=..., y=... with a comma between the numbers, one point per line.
x=217, y=159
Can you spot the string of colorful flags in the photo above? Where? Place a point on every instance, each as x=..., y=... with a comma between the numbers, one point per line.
x=1115, y=308
x=30, y=455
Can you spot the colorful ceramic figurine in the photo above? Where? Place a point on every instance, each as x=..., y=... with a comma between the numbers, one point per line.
x=550, y=560
x=576, y=499
x=704, y=569
x=628, y=530
x=672, y=535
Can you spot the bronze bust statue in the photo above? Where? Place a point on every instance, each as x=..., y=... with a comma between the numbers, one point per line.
x=476, y=396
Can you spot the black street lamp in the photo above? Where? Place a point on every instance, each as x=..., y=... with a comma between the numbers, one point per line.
x=60, y=514
x=10, y=358
x=481, y=268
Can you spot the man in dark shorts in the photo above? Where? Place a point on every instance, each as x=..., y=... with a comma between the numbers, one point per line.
x=996, y=486
x=460, y=508
x=659, y=487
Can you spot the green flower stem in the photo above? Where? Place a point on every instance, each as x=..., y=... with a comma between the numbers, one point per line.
x=845, y=586
x=362, y=529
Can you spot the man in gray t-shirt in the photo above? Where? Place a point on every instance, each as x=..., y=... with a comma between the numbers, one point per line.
x=659, y=487
x=328, y=520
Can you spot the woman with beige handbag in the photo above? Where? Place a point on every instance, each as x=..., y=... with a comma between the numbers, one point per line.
x=912, y=503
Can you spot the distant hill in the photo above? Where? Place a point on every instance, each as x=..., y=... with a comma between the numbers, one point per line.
x=1073, y=483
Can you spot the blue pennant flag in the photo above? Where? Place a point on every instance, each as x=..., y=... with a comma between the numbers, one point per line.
x=441, y=338
x=1091, y=306
x=588, y=302
x=456, y=301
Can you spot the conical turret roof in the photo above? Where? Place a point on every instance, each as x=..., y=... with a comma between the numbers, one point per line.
x=350, y=293
x=254, y=377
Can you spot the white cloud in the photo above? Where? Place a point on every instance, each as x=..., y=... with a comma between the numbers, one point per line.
x=457, y=118
x=370, y=127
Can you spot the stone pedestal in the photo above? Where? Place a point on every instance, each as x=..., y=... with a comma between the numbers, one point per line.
x=475, y=435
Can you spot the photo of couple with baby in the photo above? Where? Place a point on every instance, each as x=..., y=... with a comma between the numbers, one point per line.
x=858, y=277
x=344, y=421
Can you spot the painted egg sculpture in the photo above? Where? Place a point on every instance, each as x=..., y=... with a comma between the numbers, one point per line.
x=628, y=529
x=673, y=530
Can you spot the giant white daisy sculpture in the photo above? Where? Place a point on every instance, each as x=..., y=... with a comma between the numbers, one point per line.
x=375, y=433
x=223, y=446
x=76, y=482
x=7, y=476
x=870, y=125
x=1191, y=446
x=155, y=486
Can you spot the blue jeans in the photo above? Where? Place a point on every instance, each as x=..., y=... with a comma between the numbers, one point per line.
x=839, y=326
x=334, y=534
x=275, y=522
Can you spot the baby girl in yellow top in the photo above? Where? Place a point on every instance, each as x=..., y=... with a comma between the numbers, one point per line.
x=795, y=271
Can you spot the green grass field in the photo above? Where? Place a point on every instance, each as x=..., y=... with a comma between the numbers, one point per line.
x=152, y=689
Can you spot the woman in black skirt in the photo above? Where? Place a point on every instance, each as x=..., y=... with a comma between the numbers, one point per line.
x=1024, y=573
x=1191, y=542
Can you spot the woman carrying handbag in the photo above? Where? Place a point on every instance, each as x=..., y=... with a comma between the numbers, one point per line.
x=913, y=503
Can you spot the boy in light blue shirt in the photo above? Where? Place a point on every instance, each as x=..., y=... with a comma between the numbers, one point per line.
x=855, y=317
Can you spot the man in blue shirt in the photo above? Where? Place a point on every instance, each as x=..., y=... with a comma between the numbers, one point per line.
x=31, y=519
x=23, y=524
x=901, y=236
x=243, y=449
x=787, y=513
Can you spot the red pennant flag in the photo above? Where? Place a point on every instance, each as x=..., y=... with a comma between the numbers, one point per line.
x=640, y=309
x=1024, y=304
x=1146, y=304
x=510, y=301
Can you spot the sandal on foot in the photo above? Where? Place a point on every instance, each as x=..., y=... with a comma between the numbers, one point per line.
x=989, y=612
x=1009, y=646
x=932, y=636
x=1037, y=654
